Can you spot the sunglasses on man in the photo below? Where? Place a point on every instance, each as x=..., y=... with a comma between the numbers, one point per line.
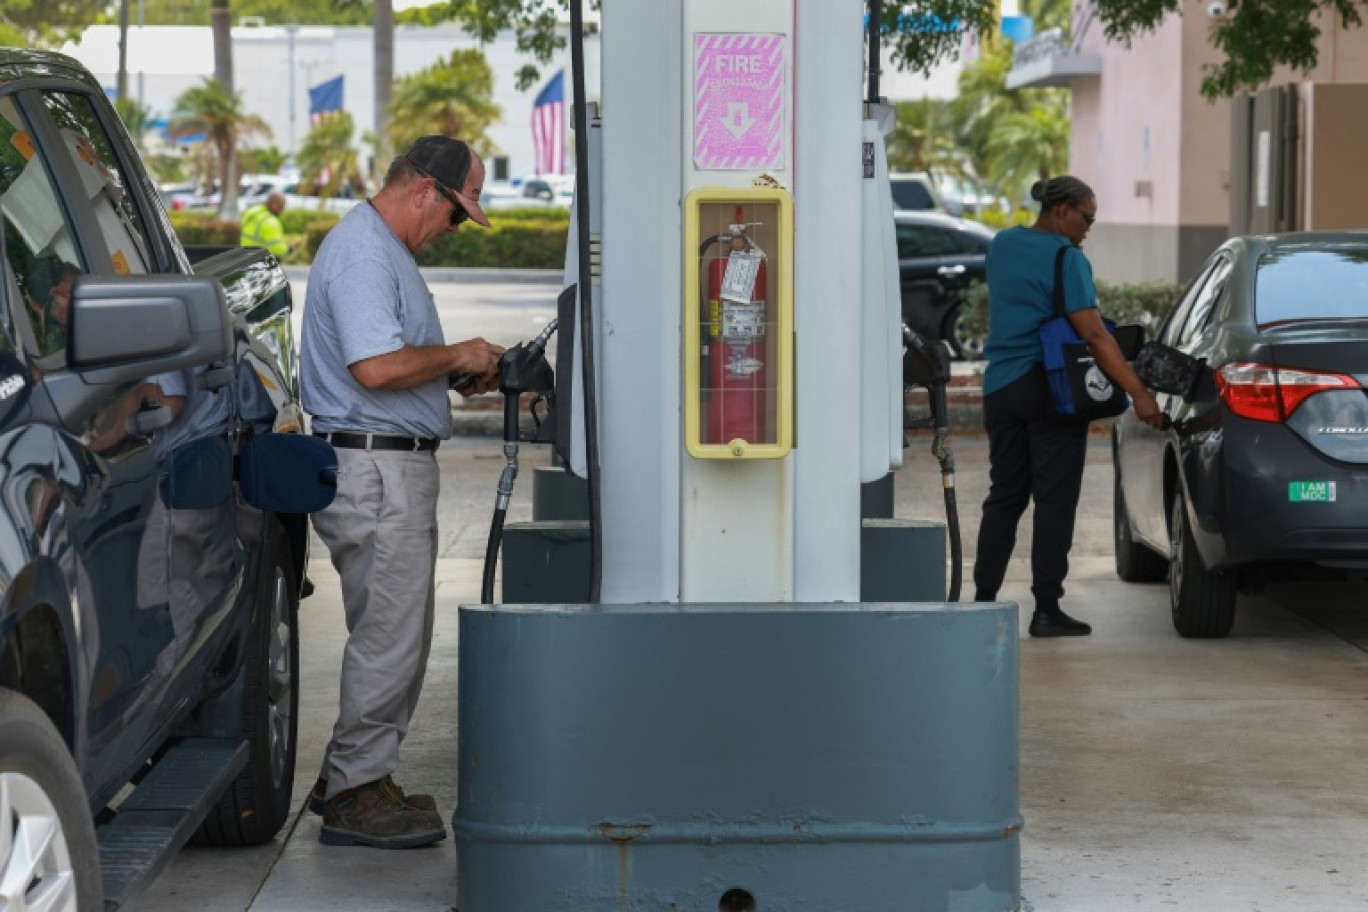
x=458, y=211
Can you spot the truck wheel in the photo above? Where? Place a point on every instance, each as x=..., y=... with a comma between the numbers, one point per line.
x=257, y=804
x=48, y=855
x=1135, y=563
x=1203, y=600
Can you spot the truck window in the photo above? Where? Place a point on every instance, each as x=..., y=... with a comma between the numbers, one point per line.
x=102, y=181
x=38, y=238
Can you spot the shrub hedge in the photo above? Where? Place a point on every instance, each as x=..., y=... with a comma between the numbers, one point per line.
x=516, y=243
x=195, y=229
x=1146, y=303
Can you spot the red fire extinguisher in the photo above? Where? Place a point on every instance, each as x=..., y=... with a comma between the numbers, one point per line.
x=735, y=367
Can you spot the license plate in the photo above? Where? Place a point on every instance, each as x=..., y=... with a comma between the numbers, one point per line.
x=1310, y=492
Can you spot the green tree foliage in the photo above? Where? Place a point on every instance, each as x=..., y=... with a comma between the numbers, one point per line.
x=273, y=12
x=1008, y=137
x=1030, y=145
x=328, y=159
x=1255, y=35
x=262, y=159
x=923, y=138
x=46, y=23
x=211, y=109
x=453, y=97
x=533, y=23
x=136, y=119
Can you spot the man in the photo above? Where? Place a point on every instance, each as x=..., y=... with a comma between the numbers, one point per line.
x=375, y=374
x=261, y=226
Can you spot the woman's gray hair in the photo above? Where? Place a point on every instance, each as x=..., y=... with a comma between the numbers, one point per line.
x=1055, y=191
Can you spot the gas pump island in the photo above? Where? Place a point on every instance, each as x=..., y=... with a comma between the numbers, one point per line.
x=733, y=723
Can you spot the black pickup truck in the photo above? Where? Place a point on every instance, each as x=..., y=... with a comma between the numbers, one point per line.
x=148, y=646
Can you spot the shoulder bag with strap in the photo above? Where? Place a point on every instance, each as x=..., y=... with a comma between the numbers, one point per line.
x=1079, y=391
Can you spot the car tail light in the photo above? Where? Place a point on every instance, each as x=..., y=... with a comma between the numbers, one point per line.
x=1266, y=393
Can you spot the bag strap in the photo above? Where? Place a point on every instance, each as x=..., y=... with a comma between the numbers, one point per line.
x=1059, y=280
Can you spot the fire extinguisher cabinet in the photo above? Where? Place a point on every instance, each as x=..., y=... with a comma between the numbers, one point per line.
x=738, y=318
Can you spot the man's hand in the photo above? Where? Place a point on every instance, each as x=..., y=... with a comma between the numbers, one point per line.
x=480, y=360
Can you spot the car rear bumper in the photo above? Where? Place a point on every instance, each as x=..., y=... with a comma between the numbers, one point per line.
x=1263, y=516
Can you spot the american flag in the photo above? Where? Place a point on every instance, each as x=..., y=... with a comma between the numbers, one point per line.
x=548, y=126
x=324, y=98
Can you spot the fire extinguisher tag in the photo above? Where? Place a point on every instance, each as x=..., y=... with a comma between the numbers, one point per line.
x=743, y=322
x=738, y=283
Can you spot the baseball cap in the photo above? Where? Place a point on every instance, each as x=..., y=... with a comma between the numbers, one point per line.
x=447, y=161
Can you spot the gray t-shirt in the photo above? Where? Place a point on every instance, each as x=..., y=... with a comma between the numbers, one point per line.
x=366, y=297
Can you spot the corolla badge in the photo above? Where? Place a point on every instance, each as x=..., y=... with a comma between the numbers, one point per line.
x=1098, y=386
x=1343, y=431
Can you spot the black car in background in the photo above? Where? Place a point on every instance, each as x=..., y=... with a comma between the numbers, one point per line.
x=938, y=256
x=1264, y=472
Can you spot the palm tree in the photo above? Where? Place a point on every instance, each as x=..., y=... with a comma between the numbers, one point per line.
x=211, y=109
x=384, y=74
x=921, y=139
x=221, y=20
x=452, y=97
x=136, y=118
x=328, y=160
x=1029, y=145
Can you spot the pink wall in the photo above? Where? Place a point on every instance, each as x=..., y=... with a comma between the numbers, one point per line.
x=1126, y=126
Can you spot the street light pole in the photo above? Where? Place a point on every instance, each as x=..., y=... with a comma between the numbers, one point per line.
x=291, y=30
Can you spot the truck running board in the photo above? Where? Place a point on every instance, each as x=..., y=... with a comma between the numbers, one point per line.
x=158, y=818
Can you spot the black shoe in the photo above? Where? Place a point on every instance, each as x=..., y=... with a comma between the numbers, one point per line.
x=1057, y=624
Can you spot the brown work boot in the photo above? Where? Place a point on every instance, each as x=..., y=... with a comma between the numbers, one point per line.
x=418, y=800
x=422, y=802
x=366, y=816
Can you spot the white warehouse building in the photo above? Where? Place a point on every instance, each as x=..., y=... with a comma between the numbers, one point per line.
x=274, y=66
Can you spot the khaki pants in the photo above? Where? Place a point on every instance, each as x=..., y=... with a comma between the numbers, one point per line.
x=381, y=531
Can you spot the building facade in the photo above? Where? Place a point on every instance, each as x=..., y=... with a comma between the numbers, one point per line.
x=1160, y=155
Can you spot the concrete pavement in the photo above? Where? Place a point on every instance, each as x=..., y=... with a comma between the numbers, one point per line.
x=1156, y=773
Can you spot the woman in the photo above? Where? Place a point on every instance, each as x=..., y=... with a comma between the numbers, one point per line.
x=1032, y=457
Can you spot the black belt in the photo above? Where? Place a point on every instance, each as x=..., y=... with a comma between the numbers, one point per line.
x=378, y=441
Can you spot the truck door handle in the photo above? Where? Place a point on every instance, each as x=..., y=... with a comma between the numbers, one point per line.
x=950, y=272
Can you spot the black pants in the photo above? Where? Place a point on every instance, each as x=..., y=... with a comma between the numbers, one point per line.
x=1031, y=458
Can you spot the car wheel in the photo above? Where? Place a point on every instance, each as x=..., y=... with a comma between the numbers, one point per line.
x=1135, y=563
x=48, y=855
x=1203, y=600
x=966, y=345
x=257, y=804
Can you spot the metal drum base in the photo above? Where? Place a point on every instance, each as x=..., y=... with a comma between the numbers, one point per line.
x=775, y=757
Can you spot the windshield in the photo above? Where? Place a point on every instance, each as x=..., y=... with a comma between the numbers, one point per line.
x=1301, y=285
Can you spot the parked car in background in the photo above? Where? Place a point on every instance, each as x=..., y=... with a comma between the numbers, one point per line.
x=148, y=631
x=1264, y=472
x=938, y=256
x=915, y=192
x=549, y=191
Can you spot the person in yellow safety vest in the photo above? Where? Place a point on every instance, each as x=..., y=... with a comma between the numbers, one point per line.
x=261, y=226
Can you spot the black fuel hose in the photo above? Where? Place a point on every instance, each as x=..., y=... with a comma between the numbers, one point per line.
x=502, y=497
x=952, y=526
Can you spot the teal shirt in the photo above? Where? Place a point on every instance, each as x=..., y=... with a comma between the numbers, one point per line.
x=1020, y=269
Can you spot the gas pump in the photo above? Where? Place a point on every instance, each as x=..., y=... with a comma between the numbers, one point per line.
x=727, y=723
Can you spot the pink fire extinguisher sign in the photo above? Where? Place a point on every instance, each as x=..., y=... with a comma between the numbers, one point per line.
x=738, y=101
